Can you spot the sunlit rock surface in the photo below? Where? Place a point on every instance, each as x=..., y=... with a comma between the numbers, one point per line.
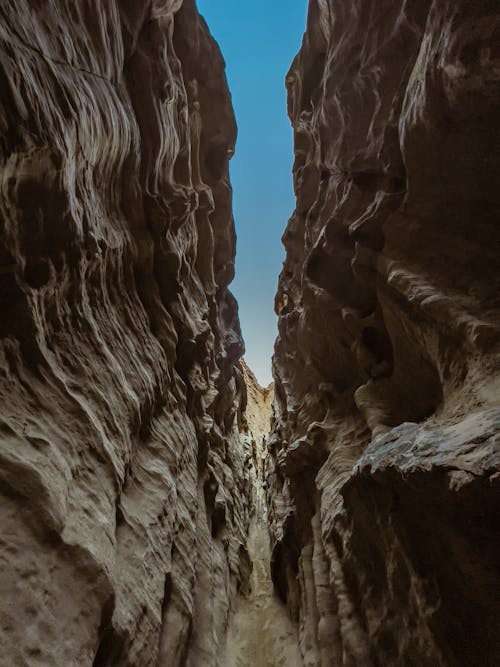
x=384, y=467
x=124, y=495
x=256, y=408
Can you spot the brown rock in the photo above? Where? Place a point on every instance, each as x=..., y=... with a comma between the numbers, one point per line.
x=124, y=504
x=384, y=468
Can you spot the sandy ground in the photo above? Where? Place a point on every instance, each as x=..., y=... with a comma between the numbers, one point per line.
x=260, y=633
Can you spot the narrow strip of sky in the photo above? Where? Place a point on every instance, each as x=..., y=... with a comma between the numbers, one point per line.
x=259, y=39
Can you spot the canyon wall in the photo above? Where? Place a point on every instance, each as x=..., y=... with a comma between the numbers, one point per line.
x=124, y=495
x=256, y=408
x=384, y=462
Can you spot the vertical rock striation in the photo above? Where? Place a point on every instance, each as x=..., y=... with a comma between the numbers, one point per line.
x=123, y=490
x=385, y=457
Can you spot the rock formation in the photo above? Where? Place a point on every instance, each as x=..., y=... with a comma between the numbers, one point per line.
x=124, y=507
x=257, y=406
x=385, y=458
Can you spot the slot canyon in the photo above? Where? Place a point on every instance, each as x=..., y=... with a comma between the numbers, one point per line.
x=159, y=508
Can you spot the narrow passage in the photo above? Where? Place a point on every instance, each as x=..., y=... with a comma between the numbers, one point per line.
x=261, y=633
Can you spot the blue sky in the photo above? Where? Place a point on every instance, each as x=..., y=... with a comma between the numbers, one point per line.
x=259, y=39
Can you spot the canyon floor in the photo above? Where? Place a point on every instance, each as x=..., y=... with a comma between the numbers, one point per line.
x=260, y=633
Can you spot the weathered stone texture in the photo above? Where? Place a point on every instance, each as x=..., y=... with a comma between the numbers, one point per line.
x=384, y=462
x=256, y=409
x=123, y=490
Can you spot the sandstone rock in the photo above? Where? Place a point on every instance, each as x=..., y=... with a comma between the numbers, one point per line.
x=256, y=408
x=384, y=464
x=124, y=506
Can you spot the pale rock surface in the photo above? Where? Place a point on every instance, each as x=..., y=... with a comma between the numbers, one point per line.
x=125, y=501
x=384, y=468
x=256, y=408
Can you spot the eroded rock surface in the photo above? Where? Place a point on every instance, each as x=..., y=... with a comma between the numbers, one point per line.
x=256, y=409
x=124, y=495
x=384, y=463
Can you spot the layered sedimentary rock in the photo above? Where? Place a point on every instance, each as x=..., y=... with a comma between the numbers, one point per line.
x=385, y=453
x=123, y=487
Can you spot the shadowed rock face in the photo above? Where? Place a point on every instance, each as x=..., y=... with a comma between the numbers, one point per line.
x=384, y=463
x=123, y=490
